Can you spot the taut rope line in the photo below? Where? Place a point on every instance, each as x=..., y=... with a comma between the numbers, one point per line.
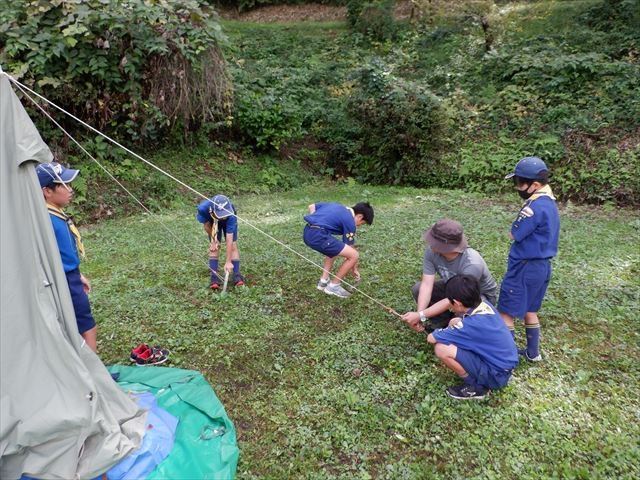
x=353, y=287
x=104, y=169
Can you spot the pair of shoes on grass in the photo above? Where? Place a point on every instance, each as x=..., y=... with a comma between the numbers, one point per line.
x=330, y=289
x=144, y=355
x=238, y=281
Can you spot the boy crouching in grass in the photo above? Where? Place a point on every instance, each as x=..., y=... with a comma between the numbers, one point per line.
x=324, y=221
x=477, y=345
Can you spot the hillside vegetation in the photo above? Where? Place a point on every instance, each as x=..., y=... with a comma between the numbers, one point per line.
x=451, y=98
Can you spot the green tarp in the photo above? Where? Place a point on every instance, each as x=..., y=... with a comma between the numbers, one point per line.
x=205, y=445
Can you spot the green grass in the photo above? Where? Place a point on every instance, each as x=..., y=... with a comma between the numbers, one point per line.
x=320, y=387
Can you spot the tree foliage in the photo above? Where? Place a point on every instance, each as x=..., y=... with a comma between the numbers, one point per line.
x=138, y=66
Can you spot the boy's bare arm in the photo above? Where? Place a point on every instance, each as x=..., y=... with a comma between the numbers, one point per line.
x=208, y=227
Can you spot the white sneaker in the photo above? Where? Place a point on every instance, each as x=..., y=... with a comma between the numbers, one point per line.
x=322, y=284
x=337, y=290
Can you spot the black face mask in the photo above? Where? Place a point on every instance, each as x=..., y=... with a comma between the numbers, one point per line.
x=524, y=194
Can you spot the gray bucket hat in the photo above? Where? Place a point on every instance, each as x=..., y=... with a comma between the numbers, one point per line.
x=446, y=236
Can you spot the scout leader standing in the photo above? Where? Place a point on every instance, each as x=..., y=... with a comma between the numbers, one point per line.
x=218, y=217
x=324, y=221
x=535, y=234
x=53, y=179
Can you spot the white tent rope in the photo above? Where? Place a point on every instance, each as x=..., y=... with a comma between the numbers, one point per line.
x=353, y=287
x=104, y=169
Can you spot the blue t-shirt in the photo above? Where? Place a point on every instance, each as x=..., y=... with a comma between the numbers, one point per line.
x=483, y=332
x=536, y=230
x=205, y=214
x=336, y=219
x=66, y=244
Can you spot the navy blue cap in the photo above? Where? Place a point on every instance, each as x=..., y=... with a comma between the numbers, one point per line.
x=529, y=167
x=50, y=173
x=221, y=206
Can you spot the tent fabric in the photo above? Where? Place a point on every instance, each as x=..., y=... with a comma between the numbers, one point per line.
x=156, y=445
x=61, y=414
x=205, y=444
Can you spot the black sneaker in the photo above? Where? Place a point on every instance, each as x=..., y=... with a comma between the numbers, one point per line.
x=467, y=392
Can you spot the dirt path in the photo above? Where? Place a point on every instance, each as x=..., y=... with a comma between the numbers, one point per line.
x=313, y=12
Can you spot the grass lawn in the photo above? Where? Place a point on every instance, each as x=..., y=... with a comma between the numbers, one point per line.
x=320, y=387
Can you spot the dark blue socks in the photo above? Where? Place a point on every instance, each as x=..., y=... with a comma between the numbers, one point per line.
x=236, y=266
x=533, y=340
x=213, y=266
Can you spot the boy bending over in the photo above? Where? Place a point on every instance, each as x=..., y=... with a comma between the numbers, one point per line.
x=324, y=221
x=218, y=217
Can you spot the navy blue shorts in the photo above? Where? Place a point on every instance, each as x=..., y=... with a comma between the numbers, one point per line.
x=322, y=241
x=222, y=232
x=80, y=300
x=524, y=286
x=483, y=373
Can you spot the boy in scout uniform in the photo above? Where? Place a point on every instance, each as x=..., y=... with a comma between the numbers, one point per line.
x=535, y=234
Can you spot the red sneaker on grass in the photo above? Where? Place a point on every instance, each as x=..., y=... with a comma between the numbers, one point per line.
x=137, y=351
x=152, y=356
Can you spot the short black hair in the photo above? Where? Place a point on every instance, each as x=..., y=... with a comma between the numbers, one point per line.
x=364, y=209
x=543, y=178
x=465, y=289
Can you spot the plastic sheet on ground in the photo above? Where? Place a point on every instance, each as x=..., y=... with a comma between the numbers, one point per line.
x=205, y=441
x=156, y=445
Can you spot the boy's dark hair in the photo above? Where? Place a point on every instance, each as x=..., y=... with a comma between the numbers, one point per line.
x=543, y=179
x=465, y=289
x=364, y=209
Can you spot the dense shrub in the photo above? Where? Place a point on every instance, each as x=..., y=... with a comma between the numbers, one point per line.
x=373, y=18
x=398, y=129
x=591, y=168
x=577, y=90
x=130, y=66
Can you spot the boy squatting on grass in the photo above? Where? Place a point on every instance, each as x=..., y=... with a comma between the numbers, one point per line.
x=447, y=254
x=535, y=234
x=53, y=179
x=218, y=216
x=324, y=221
x=477, y=345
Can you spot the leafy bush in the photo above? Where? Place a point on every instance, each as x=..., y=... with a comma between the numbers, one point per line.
x=603, y=170
x=559, y=87
x=398, y=129
x=266, y=119
x=582, y=169
x=372, y=18
x=130, y=66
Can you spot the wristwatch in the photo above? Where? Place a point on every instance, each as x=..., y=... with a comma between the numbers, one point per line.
x=423, y=318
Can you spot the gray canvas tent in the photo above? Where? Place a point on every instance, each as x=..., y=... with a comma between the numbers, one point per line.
x=61, y=414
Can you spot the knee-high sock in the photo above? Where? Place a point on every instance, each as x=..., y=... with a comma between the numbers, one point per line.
x=213, y=267
x=533, y=340
x=236, y=266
